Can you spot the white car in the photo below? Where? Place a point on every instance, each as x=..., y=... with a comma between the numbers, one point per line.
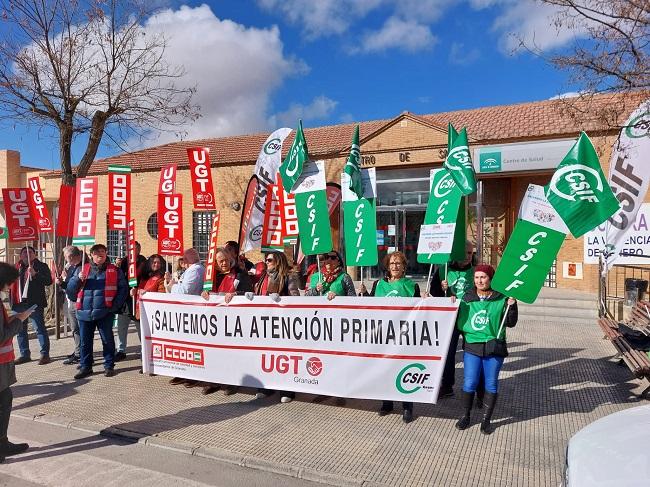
x=613, y=451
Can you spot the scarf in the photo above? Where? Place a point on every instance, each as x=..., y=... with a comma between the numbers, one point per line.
x=330, y=276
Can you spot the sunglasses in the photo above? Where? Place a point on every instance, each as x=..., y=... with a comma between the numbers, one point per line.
x=269, y=259
x=328, y=256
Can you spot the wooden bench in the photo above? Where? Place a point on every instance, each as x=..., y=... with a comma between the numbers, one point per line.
x=640, y=317
x=637, y=361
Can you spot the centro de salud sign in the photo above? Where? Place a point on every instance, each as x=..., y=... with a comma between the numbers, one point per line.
x=527, y=156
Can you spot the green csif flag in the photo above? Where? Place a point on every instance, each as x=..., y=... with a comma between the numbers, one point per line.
x=360, y=220
x=291, y=167
x=311, y=208
x=352, y=166
x=442, y=236
x=459, y=162
x=532, y=248
x=579, y=191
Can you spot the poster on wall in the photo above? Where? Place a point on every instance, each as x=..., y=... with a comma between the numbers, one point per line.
x=635, y=242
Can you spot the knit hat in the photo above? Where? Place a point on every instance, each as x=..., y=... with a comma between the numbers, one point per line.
x=486, y=268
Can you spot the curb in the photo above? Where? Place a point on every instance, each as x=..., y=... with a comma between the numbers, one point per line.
x=213, y=453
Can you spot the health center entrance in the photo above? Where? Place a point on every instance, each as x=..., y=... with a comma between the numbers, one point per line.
x=402, y=197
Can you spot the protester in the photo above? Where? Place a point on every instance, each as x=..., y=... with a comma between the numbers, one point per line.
x=73, y=257
x=99, y=290
x=394, y=284
x=332, y=280
x=180, y=268
x=242, y=262
x=126, y=314
x=153, y=280
x=29, y=290
x=485, y=343
x=190, y=282
x=229, y=280
x=276, y=280
x=8, y=328
x=458, y=279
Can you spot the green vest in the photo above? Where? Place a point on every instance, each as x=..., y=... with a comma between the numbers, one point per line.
x=403, y=288
x=336, y=286
x=479, y=321
x=460, y=281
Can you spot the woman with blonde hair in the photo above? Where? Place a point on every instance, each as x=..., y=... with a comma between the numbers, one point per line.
x=394, y=284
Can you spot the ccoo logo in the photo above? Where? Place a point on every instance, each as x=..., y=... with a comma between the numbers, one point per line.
x=572, y=181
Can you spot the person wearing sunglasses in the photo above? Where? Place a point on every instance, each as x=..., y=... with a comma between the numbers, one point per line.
x=277, y=279
x=332, y=280
x=394, y=284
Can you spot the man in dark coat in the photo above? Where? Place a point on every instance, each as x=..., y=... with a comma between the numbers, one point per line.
x=27, y=291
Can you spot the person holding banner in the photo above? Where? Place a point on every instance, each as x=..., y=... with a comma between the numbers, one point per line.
x=482, y=317
x=331, y=280
x=395, y=284
x=127, y=314
x=277, y=279
x=229, y=280
x=8, y=328
x=99, y=290
x=73, y=256
x=152, y=280
x=27, y=291
x=457, y=278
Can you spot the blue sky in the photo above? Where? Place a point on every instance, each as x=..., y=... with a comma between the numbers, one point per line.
x=261, y=64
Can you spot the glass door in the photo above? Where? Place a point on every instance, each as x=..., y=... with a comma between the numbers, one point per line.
x=390, y=236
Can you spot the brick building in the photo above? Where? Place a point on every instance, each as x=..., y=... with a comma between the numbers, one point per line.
x=512, y=146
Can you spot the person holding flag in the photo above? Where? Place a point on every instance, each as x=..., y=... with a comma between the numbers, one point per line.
x=277, y=279
x=27, y=291
x=482, y=316
x=394, y=284
x=457, y=279
x=332, y=280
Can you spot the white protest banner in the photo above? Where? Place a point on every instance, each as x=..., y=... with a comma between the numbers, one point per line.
x=629, y=178
x=266, y=168
x=436, y=238
x=536, y=208
x=369, y=348
x=634, y=243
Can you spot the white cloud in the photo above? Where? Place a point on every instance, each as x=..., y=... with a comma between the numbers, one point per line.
x=532, y=23
x=463, y=56
x=235, y=69
x=321, y=18
x=568, y=94
x=319, y=108
x=408, y=35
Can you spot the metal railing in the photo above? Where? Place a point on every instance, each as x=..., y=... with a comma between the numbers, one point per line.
x=612, y=286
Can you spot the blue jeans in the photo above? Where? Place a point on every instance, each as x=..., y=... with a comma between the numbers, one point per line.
x=473, y=364
x=87, y=332
x=38, y=323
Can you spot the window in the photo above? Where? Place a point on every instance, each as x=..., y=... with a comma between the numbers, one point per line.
x=201, y=228
x=152, y=226
x=115, y=241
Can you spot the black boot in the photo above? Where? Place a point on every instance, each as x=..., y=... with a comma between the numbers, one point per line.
x=466, y=400
x=480, y=394
x=7, y=448
x=489, y=401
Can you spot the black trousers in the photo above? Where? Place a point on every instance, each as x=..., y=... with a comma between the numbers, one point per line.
x=6, y=398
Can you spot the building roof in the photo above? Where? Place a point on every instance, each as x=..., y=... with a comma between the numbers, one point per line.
x=558, y=118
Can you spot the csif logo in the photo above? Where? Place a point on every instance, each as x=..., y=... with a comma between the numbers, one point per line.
x=639, y=127
x=458, y=159
x=577, y=181
x=444, y=186
x=480, y=320
x=412, y=378
x=272, y=146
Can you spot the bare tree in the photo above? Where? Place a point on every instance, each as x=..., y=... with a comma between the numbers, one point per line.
x=612, y=49
x=89, y=69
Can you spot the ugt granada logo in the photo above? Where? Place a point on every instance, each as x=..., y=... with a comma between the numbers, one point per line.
x=314, y=366
x=412, y=378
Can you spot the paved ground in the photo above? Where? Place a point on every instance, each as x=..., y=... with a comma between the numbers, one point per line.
x=556, y=380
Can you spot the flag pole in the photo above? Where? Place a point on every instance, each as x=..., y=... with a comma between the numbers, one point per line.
x=319, y=274
x=429, y=278
x=446, y=273
x=505, y=315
